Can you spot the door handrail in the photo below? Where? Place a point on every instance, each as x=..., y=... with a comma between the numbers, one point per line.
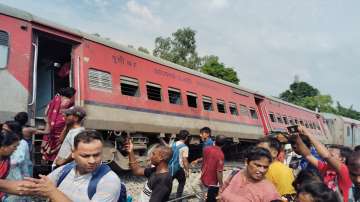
x=34, y=74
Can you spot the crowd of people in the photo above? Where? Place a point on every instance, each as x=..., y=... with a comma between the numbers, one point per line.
x=315, y=173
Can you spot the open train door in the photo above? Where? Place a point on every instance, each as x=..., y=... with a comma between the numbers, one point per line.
x=259, y=101
x=52, y=69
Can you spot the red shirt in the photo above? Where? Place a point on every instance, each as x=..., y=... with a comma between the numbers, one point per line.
x=213, y=161
x=330, y=176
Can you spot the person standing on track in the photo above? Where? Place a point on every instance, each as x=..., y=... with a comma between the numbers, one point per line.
x=205, y=136
x=179, y=165
x=159, y=184
x=213, y=164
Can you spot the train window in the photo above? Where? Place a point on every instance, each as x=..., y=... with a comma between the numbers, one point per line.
x=285, y=120
x=129, y=86
x=279, y=119
x=207, y=103
x=253, y=113
x=221, y=106
x=311, y=126
x=317, y=126
x=244, y=110
x=153, y=91
x=174, y=96
x=191, y=99
x=296, y=121
x=100, y=80
x=306, y=124
x=272, y=117
x=348, y=130
x=301, y=122
x=233, y=109
x=4, y=49
x=291, y=121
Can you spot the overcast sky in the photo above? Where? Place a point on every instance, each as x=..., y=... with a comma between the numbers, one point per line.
x=268, y=42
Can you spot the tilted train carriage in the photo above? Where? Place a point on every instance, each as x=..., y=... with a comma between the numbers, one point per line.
x=125, y=90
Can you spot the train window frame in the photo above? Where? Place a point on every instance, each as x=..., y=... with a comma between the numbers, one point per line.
x=207, y=103
x=279, y=119
x=285, y=119
x=296, y=121
x=191, y=103
x=221, y=106
x=4, y=49
x=100, y=80
x=272, y=117
x=233, y=109
x=291, y=121
x=253, y=113
x=244, y=110
x=318, y=126
x=306, y=124
x=130, y=83
x=157, y=96
x=177, y=93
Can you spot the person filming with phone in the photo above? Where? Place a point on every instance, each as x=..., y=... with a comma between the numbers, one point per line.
x=333, y=169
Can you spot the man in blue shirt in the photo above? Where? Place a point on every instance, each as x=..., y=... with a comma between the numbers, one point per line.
x=205, y=136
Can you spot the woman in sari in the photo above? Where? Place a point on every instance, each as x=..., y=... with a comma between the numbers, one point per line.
x=56, y=123
x=8, y=144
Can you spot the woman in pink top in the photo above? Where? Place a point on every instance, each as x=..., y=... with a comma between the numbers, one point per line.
x=250, y=185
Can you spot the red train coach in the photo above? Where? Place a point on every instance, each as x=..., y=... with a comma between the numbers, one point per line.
x=124, y=90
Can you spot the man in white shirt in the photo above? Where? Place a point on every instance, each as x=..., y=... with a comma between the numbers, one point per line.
x=75, y=181
x=73, y=118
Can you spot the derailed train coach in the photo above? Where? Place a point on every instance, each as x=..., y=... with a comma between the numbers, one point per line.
x=124, y=90
x=345, y=131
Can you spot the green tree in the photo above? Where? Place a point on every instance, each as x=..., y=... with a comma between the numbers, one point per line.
x=323, y=103
x=144, y=50
x=180, y=49
x=347, y=112
x=298, y=91
x=213, y=67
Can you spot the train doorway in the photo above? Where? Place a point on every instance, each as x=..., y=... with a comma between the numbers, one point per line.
x=53, y=69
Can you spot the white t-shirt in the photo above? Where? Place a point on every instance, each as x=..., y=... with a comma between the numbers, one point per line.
x=183, y=153
x=68, y=144
x=75, y=186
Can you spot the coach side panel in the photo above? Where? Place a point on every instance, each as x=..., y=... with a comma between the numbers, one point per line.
x=15, y=50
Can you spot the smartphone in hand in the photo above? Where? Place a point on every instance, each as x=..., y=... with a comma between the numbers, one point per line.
x=293, y=129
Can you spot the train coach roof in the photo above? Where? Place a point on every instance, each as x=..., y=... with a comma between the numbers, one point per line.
x=345, y=119
x=17, y=13
x=290, y=104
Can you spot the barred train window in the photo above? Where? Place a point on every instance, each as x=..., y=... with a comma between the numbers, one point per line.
x=4, y=49
x=100, y=79
x=153, y=91
x=285, y=120
x=221, y=106
x=272, y=117
x=233, y=109
x=174, y=96
x=191, y=99
x=244, y=110
x=207, y=103
x=253, y=113
x=129, y=86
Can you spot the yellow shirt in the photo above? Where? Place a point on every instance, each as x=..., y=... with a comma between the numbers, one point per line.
x=282, y=177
